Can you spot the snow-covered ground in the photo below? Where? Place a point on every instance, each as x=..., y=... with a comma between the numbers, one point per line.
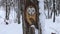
x=52, y=27
x=48, y=26
x=11, y=28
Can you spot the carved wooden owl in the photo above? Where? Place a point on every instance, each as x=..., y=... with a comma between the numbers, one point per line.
x=30, y=12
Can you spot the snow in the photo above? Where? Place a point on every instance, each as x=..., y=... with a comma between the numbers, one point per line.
x=32, y=26
x=11, y=28
x=51, y=26
x=36, y=31
x=42, y=16
x=47, y=25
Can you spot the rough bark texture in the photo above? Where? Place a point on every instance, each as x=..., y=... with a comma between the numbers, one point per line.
x=26, y=26
x=31, y=30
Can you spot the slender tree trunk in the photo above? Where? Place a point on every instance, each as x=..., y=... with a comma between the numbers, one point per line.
x=54, y=10
x=7, y=11
x=19, y=12
x=47, y=7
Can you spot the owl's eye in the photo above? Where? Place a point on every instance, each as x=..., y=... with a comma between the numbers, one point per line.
x=31, y=10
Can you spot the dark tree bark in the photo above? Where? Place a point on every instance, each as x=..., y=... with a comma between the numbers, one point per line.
x=54, y=10
x=7, y=10
x=19, y=12
x=26, y=24
x=31, y=30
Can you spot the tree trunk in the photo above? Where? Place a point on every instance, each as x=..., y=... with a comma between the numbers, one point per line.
x=31, y=30
x=54, y=10
x=19, y=12
x=7, y=11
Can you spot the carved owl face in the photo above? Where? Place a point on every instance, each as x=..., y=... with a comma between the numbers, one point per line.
x=31, y=10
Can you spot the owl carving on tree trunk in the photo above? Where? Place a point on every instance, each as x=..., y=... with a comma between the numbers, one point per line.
x=30, y=14
x=31, y=10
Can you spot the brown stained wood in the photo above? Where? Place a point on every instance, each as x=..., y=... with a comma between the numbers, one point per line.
x=26, y=14
x=29, y=19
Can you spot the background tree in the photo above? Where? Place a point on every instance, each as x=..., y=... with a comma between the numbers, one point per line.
x=47, y=5
x=54, y=10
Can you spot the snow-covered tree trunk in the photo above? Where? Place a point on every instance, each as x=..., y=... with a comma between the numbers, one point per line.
x=39, y=24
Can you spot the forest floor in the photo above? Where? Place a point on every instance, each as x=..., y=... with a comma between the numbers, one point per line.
x=11, y=28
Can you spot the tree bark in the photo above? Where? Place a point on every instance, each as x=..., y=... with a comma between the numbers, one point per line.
x=31, y=30
x=19, y=12
x=54, y=10
x=7, y=10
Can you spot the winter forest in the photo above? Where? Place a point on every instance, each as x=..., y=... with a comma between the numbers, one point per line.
x=29, y=16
